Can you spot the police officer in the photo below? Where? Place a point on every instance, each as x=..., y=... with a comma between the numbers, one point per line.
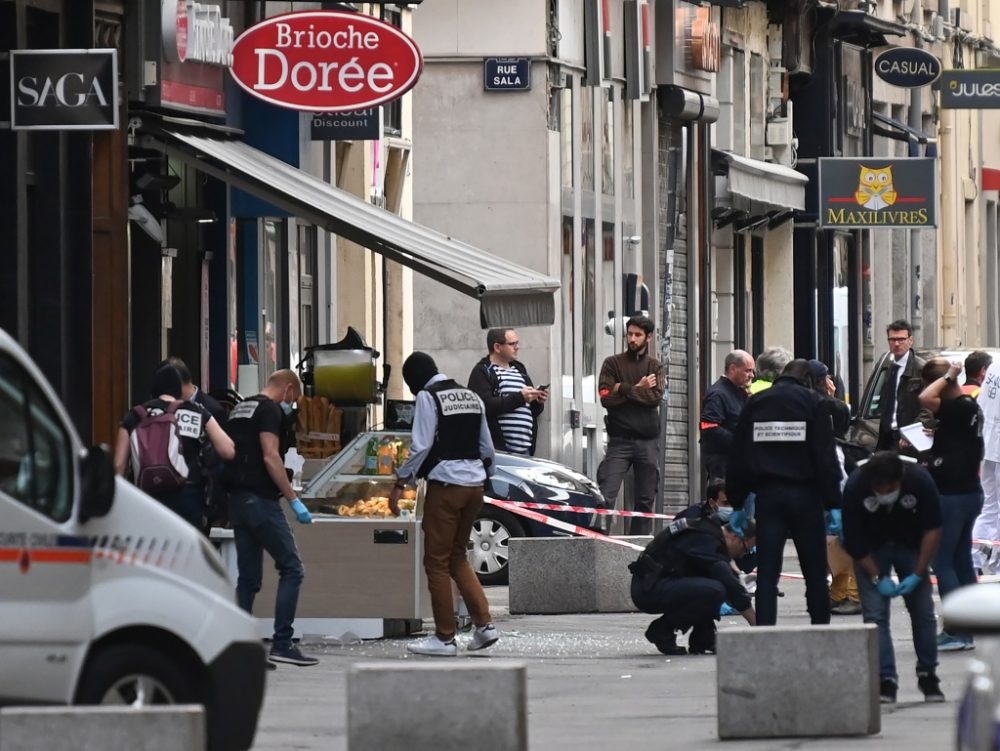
x=784, y=452
x=686, y=574
x=453, y=449
x=892, y=520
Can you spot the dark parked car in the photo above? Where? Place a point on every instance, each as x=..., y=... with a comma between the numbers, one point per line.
x=524, y=478
x=864, y=427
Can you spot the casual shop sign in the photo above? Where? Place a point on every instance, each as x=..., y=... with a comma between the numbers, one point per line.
x=326, y=61
x=907, y=67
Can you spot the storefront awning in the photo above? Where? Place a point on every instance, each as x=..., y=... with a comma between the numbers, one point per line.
x=763, y=182
x=509, y=294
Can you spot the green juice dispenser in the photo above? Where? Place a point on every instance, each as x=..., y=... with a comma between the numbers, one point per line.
x=343, y=372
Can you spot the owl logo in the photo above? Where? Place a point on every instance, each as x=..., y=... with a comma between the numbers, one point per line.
x=875, y=188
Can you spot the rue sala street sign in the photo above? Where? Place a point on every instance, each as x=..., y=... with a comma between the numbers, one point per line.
x=326, y=61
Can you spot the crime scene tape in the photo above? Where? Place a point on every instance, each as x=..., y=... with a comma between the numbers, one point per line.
x=589, y=510
x=557, y=524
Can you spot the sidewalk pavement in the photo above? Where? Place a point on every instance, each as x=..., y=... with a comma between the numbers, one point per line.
x=594, y=682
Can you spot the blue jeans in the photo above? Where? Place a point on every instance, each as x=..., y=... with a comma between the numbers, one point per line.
x=875, y=609
x=188, y=503
x=259, y=524
x=953, y=563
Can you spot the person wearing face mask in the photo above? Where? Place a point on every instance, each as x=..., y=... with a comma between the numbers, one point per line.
x=256, y=481
x=892, y=521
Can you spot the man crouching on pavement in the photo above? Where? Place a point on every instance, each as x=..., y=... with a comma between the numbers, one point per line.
x=453, y=449
x=686, y=574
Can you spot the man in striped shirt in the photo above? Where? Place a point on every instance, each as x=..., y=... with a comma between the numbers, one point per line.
x=513, y=404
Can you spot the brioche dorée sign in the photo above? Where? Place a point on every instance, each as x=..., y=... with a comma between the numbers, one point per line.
x=325, y=61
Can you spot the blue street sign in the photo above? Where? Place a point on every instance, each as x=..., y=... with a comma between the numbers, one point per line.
x=507, y=74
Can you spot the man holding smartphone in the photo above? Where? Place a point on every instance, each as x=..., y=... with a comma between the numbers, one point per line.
x=512, y=402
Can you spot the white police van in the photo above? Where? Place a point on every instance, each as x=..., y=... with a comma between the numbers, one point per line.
x=106, y=597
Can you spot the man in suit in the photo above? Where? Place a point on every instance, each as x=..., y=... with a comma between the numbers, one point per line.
x=899, y=402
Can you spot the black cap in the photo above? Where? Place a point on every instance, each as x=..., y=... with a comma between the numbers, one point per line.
x=418, y=369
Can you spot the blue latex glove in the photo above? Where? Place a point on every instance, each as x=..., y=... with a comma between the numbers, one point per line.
x=886, y=588
x=909, y=584
x=835, y=524
x=738, y=522
x=301, y=512
x=727, y=609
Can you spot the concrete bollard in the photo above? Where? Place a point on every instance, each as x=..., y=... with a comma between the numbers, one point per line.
x=571, y=575
x=178, y=727
x=795, y=681
x=444, y=704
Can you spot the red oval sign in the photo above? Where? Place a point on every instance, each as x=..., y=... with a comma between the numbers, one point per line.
x=325, y=61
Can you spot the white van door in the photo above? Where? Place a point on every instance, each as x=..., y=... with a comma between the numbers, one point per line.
x=45, y=570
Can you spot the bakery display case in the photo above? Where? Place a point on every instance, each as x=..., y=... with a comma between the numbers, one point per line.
x=361, y=561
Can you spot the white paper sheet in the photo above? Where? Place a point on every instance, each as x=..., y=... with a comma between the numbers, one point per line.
x=915, y=434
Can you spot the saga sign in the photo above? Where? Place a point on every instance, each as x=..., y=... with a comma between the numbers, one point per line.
x=64, y=89
x=907, y=67
x=326, y=61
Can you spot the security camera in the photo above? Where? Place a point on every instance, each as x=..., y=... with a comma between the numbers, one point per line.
x=633, y=240
x=146, y=221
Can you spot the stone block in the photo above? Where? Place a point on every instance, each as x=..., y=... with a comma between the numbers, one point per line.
x=571, y=575
x=795, y=681
x=437, y=704
x=179, y=727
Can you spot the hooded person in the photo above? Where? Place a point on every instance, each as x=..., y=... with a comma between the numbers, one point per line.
x=453, y=451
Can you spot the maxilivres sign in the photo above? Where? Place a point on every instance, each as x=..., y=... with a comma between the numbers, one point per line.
x=64, y=89
x=326, y=61
x=874, y=192
x=971, y=89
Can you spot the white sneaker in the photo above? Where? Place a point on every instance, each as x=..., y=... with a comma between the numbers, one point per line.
x=433, y=646
x=483, y=637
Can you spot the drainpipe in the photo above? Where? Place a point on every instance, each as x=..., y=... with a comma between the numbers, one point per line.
x=916, y=251
x=947, y=234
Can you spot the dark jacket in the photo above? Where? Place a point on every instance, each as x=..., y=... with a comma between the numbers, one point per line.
x=720, y=411
x=785, y=437
x=691, y=548
x=632, y=411
x=485, y=382
x=908, y=390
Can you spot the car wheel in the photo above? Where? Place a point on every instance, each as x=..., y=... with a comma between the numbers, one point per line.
x=488, y=544
x=136, y=676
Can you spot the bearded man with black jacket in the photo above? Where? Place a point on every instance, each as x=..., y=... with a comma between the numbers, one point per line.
x=631, y=387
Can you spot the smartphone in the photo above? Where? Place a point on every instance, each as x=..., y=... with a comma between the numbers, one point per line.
x=545, y=387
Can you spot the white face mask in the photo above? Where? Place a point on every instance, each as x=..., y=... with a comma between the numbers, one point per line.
x=286, y=408
x=724, y=512
x=887, y=499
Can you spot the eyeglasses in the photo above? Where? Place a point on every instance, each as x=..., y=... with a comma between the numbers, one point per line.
x=896, y=339
x=513, y=344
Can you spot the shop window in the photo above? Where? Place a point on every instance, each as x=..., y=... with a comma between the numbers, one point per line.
x=628, y=151
x=392, y=112
x=273, y=346
x=587, y=137
x=36, y=456
x=308, y=313
x=589, y=307
x=566, y=132
x=739, y=102
x=758, y=90
x=343, y=149
x=608, y=145
x=396, y=161
x=568, y=312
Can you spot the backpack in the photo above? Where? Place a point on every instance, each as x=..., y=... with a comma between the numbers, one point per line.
x=158, y=465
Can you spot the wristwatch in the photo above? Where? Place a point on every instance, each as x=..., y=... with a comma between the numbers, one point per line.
x=400, y=483
x=949, y=378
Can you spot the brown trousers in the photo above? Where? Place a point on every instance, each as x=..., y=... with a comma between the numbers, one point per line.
x=449, y=512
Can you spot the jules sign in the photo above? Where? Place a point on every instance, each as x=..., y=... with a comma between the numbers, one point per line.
x=971, y=89
x=907, y=67
x=326, y=61
x=64, y=89
x=874, y=192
